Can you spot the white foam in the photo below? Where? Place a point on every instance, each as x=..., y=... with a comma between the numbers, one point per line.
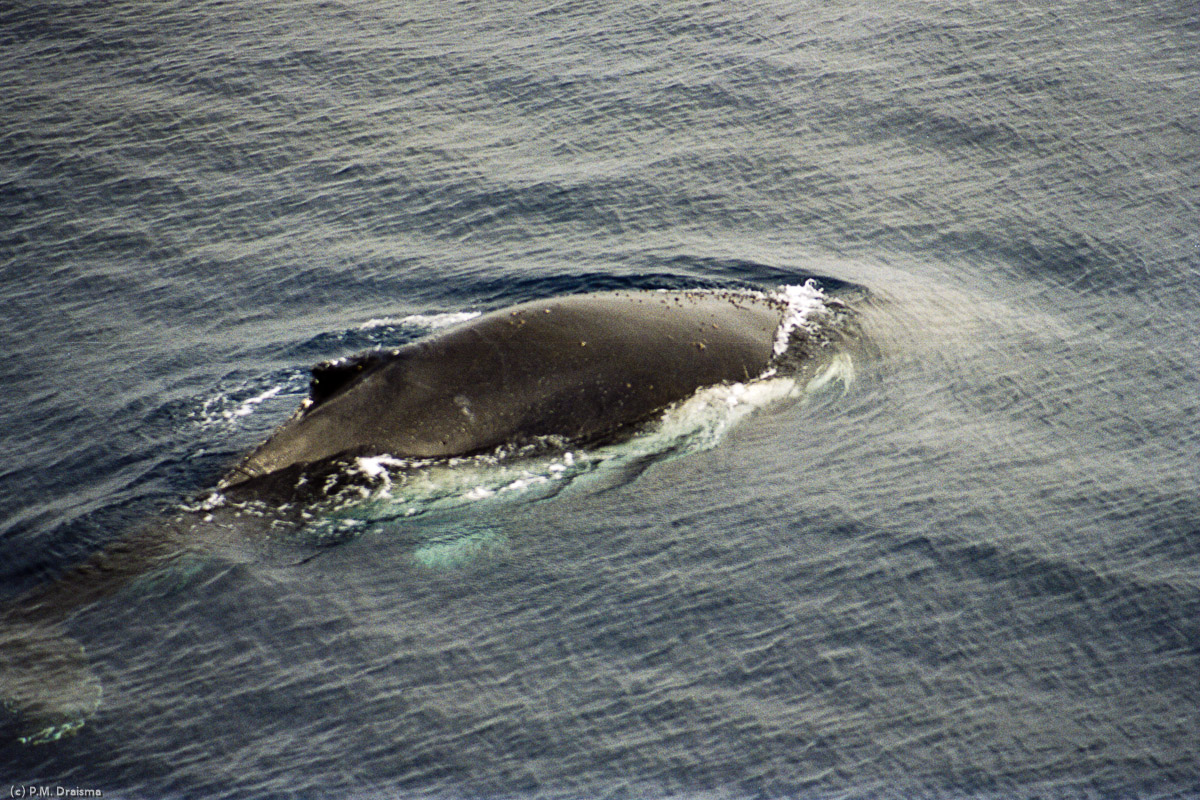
x=700, y=422
x=427, y=322
x=806, y=305
x=379, y=466
x=247, y=406
x=226, y=410
x=839, y=370
x=526, y=481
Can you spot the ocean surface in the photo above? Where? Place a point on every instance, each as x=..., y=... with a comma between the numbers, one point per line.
x=968, y=566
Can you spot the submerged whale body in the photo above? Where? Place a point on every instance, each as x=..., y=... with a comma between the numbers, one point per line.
x=580, y=368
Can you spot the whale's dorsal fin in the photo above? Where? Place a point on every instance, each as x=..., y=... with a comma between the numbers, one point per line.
x=330, y=377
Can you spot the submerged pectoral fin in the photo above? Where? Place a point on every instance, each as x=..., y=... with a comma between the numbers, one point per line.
x=47, y=689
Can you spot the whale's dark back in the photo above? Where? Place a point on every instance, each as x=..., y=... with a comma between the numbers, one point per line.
x=580, y=367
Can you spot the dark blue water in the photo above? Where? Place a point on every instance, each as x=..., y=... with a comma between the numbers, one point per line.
x=972, y=572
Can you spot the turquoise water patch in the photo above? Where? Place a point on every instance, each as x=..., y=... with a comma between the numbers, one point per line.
x=458, y=547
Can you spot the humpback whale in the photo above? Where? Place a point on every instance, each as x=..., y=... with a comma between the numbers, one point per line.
x=580, y=369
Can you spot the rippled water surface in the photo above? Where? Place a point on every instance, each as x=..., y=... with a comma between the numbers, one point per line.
x=968, y=566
